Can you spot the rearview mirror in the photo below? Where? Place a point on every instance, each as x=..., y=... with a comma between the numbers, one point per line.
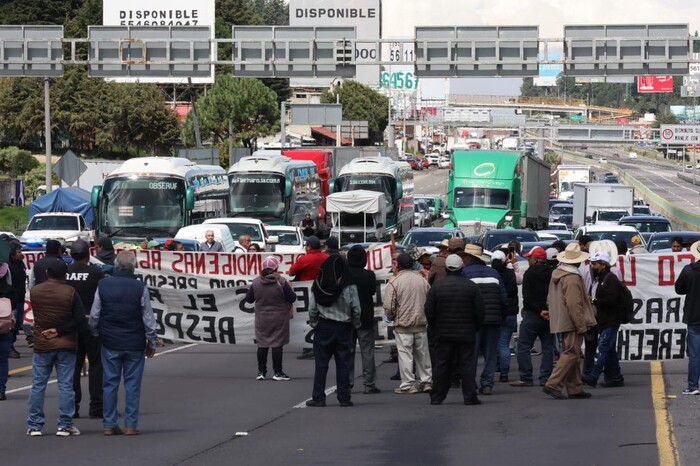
x=95, y=196
x=189, y=199
x=272, y=239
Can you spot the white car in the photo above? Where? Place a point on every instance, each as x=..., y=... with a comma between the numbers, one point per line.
x=444, y=162
x=611, y=232
x=433, y=158
x=289, y=239
x=64, y=226
x=603, y=160
x=199, y=233
x=246, y=226
x=632, y=155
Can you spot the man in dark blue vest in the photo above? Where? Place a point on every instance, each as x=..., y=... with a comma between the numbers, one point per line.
x=122, y=317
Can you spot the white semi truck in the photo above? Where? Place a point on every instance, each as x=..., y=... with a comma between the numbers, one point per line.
x=601, y=203
x=568, y=176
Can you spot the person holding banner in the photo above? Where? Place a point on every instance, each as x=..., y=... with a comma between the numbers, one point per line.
x=306, y=268
x=273, y=298
x=688, y=283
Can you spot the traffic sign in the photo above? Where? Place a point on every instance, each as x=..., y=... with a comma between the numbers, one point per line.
x=694, y=68
x=69, y=168
x=680, y=134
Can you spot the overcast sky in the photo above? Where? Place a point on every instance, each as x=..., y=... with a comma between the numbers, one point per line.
x=400, y=17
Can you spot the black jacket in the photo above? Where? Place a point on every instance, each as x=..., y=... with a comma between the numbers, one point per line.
x=493, y=293
x=40, y=268
x=535, y=288
x=19, y=282
x=454, y=309
x=366, y=282
x=511, y=284
x=688, y=283
x=608, y=300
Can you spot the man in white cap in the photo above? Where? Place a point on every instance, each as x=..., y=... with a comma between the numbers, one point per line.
x=454, y=310
x=495, y=299
x=606, y=297
x=688, y=283
x=570, y=314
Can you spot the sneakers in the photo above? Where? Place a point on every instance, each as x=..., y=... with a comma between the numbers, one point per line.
x=346, y=404
x=472, y=401
x=412, y=390
x=261, y=376
x=691, y=391
x=521, y=383
x=371, y=390
x=427, y=387
x=315, y=404
x=3, y=397
x=14, y=354
x=613, y=383
x=34, y=433
x=67, y=431
x=112, y=431
x=580, y=396
x=590, y=381
x=486, y=390
x=280, y=376
x=556, y=394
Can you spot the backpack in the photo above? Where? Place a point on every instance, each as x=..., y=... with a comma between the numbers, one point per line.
x=7, y=323
x=626, y=305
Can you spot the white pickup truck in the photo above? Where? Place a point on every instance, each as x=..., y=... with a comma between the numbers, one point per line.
x=64, y=226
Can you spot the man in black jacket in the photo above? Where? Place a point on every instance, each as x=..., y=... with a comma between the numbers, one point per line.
x=18, y=272
x=535, y=323
x=366, y=282
x=53, y=252
x=455, y=311
x=688, y=283
x=607, y=296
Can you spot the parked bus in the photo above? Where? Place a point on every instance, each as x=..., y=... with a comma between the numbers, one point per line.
x=323, y=159
x=156, y=196
x=382, y=174
x=274, y=188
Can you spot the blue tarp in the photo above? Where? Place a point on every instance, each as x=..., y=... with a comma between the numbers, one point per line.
x=64, y=200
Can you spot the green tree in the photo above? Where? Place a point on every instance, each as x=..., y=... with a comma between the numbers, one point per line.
x=15, y=161
x=247, y=103
x=361, y=103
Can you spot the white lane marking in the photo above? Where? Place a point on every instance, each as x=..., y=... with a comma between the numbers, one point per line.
x=27, y=387
x=303, y=403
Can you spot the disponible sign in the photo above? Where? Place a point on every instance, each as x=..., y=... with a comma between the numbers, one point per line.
x=680, y=134
x=649, y=84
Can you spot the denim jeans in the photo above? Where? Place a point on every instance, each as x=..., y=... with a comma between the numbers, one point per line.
x=693, y=345
x=531, y=328
x=607, y=360
x=5, y=342
x=507, y=330
x=488, y=345
x=114, y=364
x=42, y=365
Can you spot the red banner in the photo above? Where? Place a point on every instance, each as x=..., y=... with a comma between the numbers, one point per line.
x=648, y=84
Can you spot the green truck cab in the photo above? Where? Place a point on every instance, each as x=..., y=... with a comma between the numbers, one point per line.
x=497, y=189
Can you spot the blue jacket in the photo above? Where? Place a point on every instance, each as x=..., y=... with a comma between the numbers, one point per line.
x=120, y=324
x=493, y=292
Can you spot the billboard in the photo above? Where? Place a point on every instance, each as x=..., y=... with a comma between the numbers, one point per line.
x=161, y=13
x=648, y=84
x=548, y=73
x=685, y=113
x=365, y=15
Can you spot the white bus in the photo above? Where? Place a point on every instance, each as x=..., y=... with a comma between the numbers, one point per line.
x=274, y=188
x=156, y=196
x=384, y=175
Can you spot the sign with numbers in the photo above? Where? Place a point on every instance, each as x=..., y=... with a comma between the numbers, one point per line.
x=400, y=75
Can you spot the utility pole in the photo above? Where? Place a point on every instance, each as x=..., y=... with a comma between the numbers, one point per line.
x=47, y=135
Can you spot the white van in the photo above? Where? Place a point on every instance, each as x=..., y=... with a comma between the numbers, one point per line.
x=199, y=232
x=253, y=227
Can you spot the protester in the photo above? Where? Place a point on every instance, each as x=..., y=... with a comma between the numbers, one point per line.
x=332, y=246
x=58, y=313
x=333, y=313
x=254, y=247
x=123, y=319
x=637, y=246
x=174, y=245
x=104, y=251
x=688, y=284
x=212, y=245
x=306, y=268
x=7, y=292
x=606, y=296
x=455, y=310
x=366, y=282
x=404, y=304
x=273, y=298
x=308, y=226
x=552, y=254
x=495, y=300
x=437, y=270
x=244, y=243
x=510, y=317
x=18, y=276
x=535, y=322
x=571, y=314
x=38, y=273
x=677, y=244
x=84, y=278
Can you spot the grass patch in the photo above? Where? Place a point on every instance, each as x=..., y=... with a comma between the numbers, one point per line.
x=14, y=219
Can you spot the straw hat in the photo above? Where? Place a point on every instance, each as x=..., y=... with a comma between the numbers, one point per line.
x=695, y=250
x=604, y=245
x=572, y=254
x=477, y=251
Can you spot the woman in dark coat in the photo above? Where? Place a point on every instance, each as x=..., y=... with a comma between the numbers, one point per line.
x=273, y=298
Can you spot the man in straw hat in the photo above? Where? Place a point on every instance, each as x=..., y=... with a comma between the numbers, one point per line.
x=438, y=270
x=688, y=284
x=495, y=299
x=570, y=314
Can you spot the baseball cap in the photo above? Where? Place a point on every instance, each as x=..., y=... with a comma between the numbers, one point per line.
x=551, y=254
x=271, y=263
x=538, y=253
x=455, y=243
x=453, y=263
x=601, y=256
x=153, y=244
x=79, y=248
x=313, y=242
x=498, y=256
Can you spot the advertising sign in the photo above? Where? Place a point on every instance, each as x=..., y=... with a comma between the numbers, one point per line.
x=161, y=13
x=649, y=84
x=365, y=15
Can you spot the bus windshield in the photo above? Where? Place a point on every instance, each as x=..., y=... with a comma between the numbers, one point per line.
x=257, y=195
x=380, y=183
x=481, y=197
x=152, y=204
